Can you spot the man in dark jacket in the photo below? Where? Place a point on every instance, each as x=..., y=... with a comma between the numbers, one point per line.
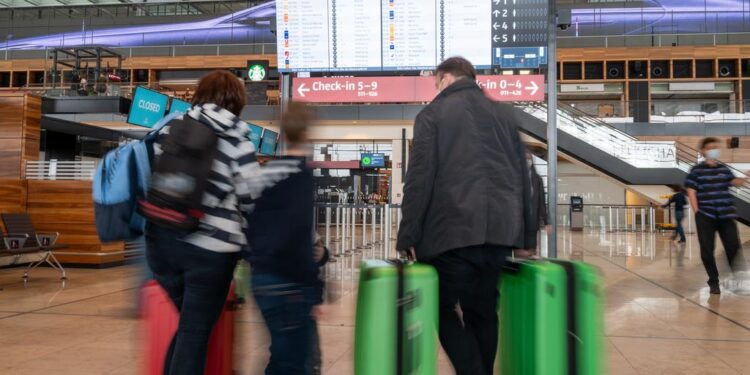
x=466, y=205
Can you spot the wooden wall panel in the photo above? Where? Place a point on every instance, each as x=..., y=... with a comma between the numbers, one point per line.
x=67, y=207
x=11, y=116
x=32, y=128
x=12, y=197
x=20, y=129
x=10, y=158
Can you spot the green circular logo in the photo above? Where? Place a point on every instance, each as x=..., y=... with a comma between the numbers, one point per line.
x=256, y=72
x=366, y=160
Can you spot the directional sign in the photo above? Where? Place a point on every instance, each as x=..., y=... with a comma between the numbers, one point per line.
x=513, y=88
x=409, y=89
x=519, y=23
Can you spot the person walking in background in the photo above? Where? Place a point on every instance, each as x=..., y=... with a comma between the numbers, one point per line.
x=195, y=268
x=679, y=201
x=467, y=203
x=708, y=191
x=539, y=206
x=285, y=280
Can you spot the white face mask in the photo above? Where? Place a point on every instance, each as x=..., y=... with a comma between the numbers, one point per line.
x=714, y=154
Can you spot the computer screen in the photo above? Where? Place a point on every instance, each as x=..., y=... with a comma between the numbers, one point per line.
x=256, y=132
x=268, y=143
x=148, y=107
x=372, y=160
x=180, y=106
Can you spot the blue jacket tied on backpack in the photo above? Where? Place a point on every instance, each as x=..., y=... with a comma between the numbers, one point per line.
x=121, y=179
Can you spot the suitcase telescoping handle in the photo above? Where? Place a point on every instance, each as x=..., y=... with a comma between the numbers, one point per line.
x=400, y=312
x=512, y=266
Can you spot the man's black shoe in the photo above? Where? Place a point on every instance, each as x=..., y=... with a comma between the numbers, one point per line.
x=715, y=289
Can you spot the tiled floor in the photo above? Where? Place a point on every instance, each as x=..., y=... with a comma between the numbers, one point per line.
x=660, y=317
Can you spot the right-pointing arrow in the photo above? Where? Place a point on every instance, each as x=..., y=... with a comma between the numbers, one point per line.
x=301, y=90
x=533, y=88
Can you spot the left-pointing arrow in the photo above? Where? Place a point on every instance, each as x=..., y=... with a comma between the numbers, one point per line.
x=495, y=25
x=302, y=90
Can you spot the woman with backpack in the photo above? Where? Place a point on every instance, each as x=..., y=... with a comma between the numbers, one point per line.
x=192, y=247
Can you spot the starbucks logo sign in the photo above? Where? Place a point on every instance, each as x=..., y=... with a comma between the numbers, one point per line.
x=256, y=72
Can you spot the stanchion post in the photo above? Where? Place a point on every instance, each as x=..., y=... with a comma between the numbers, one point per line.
x=354, y=227
x=364, y=227
x=328, y=227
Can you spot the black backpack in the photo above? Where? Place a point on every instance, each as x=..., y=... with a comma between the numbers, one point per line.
x=179, y=179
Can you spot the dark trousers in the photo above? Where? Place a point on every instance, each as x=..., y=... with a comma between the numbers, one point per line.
x=197, y=281
x=730, y=239
x=468, y=280
x=315, y=360
x=286, y=307
x=679, y=230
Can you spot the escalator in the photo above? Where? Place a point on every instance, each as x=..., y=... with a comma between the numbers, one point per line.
x=618, y=155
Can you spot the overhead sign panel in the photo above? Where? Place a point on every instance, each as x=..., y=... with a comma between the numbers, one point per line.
x=409, y=89
x=375, y=35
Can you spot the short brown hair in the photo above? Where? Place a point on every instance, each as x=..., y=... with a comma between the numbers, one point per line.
x=295, y=121
x=708, y=140
x=458, y=67
x=222, y=88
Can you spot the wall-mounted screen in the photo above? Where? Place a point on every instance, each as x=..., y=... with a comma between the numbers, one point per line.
x=373, y=35
x=268, y=142
x=148, y=107
x=372, y=160
x=180, y=106
x=256, y=132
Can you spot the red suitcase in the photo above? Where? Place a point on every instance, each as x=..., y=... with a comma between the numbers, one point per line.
x=160, y=323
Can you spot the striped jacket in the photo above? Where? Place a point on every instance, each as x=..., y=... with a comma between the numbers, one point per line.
x=229, y=192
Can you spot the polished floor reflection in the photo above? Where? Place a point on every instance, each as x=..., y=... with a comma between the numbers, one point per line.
x=660, y=317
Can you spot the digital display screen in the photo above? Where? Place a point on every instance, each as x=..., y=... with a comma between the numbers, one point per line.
x=256, y=132
x=268, y=142
x=179, y=106
x=405, y=25
x=148, y=107
x=388, y=35
x=372, y=160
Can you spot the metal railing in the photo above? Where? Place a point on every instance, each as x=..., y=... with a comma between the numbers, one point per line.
x=353, y=232
x=229, y=49
x=603, y=136
x=627, y=218
x=60, y=170
x=615, y=142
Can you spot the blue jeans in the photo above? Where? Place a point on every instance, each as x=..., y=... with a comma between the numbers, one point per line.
x=679, y=231
x=286, y=308
x=197, y=281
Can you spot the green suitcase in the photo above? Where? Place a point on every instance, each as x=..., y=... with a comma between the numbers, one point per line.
x=397, y=317
x=552, y=319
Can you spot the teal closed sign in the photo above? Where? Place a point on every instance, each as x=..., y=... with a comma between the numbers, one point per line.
x=148, y=107
x=179, y=106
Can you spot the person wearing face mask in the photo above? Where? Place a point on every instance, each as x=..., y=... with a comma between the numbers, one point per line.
x=467, y=204
x=708, y=192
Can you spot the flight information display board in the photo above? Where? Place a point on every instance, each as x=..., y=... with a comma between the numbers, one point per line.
x=388, y=35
